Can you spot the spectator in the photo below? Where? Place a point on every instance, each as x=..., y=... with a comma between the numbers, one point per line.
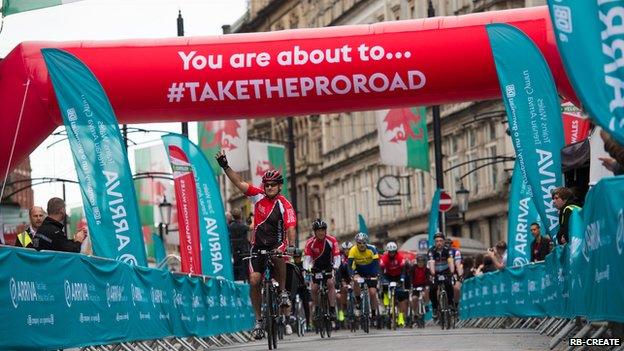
x=51, y=235
x=469, y=268
x=563, y=200
x=228, y=217
x=25, y=238
x=498, y=254
x=615, y=163
x=487, y=265
x=239, y=243
x=540, y=247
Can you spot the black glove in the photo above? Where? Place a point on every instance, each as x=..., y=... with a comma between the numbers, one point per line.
x=223, y=162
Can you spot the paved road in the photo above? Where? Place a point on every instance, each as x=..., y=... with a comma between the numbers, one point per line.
x=429, y=339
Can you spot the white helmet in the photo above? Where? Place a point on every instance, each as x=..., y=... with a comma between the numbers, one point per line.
x=392, y=247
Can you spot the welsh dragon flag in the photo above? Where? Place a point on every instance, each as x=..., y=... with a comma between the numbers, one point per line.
x=10, y=7
x=403, y=137
x=265, y=156
x=229, y=135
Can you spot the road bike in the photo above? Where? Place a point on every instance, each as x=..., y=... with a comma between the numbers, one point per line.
x=444, y=310
x=322, y=316
x=270, y=309
x=365, y=317
x=300, y=318
x=351, y=316
x=419, y=310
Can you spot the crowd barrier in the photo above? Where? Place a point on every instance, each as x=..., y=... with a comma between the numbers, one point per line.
x=583, y=278
x=53, y=300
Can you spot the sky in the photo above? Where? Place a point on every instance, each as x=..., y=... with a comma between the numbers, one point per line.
x=109, y=20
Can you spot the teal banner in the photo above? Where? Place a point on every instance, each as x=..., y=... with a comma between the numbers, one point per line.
x=216, y=254
x=98, y=301
x=582, y=278
x=434, y=216
x=534, y=115
x=362, y=223
x=99, y=153
x=589, y=38
x=522, y=213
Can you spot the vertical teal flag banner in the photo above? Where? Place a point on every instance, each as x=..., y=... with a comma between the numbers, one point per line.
x=434, y=216
x=589, y=38
x=522, y=213
x=99, y=153
x=362, y=224
x=214, y=237
x=534, y=115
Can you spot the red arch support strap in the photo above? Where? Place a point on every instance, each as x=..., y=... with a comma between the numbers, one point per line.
x=391, y=64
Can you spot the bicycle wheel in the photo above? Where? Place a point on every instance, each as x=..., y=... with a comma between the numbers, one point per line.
x=326, y=315
x=392, y=312
x=300, y=317
x=442, y=308
x=274, y=312
x=366, y=312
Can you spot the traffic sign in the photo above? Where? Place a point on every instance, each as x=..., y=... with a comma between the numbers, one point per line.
x=389, y=202
x=445, y=202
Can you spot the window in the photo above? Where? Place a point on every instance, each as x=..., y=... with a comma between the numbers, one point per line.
x=354, y=213
x=453, y=177
x=421, y=190
x=492, y=171
x=365, y=203
x=492, y=129
x=473, y=177
x=475, y=231
x=472, y=138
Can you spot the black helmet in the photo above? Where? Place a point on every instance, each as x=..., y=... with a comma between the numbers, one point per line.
x=272, y=175
x=438, y=235
x=319, y=224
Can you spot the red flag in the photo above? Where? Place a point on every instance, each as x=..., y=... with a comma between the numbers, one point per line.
x=575, y=124
x=186, y=201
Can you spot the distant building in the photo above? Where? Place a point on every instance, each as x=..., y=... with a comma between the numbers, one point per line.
x=337, y=155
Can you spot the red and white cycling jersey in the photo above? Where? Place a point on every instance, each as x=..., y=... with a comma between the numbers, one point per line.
x=392, y=267
x=272, y=217
x=324, y=253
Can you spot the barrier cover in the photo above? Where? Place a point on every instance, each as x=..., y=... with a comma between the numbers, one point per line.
x=62, y=300
x=583, y=278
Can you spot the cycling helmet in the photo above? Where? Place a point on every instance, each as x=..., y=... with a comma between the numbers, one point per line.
x=448, y=242
x=297, y=252
x=392, y=247
x=421, y=257
x=438, y=235
x=272, y=175
x=319, y=224
x=361, y=238
x=347, y=245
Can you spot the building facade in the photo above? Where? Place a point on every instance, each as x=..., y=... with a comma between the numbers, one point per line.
x=337, y=155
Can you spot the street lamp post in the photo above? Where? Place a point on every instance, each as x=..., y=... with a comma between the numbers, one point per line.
x=462, y=200
x=165, y=216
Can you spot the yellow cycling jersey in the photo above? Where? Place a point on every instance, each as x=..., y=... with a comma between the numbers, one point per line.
x=363, y=258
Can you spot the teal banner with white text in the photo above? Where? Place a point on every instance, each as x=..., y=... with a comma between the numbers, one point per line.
x=216, y=254
x=434, y=216
x=108, y=196
x=589, y=37
x=582, y=278
x=99, y=301
x=534, y=115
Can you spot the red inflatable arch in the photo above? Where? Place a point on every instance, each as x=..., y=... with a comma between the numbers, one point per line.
x=392, y=64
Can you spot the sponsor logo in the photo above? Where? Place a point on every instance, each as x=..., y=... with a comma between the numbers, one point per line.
x=75, y=292
x=604, y=275
x=563, y=18
x=22, y=291
x=510, y=91
x=114, y=293
x=158, y=296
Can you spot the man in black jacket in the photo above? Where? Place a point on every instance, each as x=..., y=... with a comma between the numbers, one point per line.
x=540, y=247
x=239, y=243
x=51, y=235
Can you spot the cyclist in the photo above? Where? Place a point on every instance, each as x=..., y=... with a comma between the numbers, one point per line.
x=453, y=247
x=420, y=278
x=274, y=227
x=364, y=262
x=394, y=269
x=296, y=284
x=344, y=278
x=322, y=254
x=440, y=263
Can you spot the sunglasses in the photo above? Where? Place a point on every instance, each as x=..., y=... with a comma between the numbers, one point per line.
x=271, y=185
